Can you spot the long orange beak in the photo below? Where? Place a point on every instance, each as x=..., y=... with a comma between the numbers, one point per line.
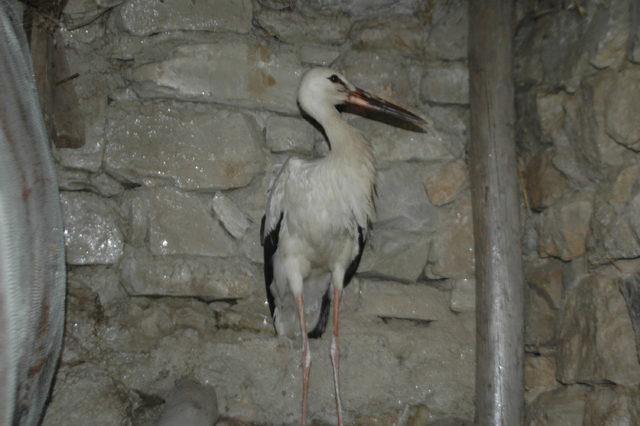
x=370, y=102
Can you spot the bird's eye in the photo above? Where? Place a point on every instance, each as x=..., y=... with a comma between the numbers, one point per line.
x=335, y=79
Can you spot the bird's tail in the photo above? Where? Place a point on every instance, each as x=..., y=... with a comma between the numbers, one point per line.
x=321, y=325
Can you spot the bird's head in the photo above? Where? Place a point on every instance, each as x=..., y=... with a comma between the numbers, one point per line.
x=323, y=87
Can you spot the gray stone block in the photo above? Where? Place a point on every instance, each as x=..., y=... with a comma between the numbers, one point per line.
x=614, y=224
x=232, y=218
x=318, y=54
x=398, y=33
x=393, y=252
x=180, y=223
x=286, y=134
x=607, y=405
x=401, y=194
x=445, y=83
x=392, y=144
x=452, y=248
x=623, y=108
x=565, y=227
x=446, y=182
x=463, y=295
x=92, y=229
x=608, y=34
x=89, y=156
x=85, y=394
x=390, y=300
x=447, y=36
x=143, y=274
x=239, y=71
x=193, y=147
x=295, y=28
x=595, y=317
x=362, y=8
x=146, y=17
x=388, y=75
x=558, y=407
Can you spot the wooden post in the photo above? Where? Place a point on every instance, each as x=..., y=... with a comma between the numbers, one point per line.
x=499, y=296
x=58, y=99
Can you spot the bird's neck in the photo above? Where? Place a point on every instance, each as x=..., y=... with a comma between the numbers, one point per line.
x=346, y=142
x=350, y=167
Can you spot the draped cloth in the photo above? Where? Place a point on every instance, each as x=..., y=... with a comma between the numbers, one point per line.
x=32, y=269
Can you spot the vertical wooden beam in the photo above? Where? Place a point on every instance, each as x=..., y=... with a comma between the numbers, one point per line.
x=499, y=297
x=58, y=100
x=41, y=43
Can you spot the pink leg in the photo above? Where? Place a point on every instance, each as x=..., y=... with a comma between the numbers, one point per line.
x=335, y=350
x=306, y=360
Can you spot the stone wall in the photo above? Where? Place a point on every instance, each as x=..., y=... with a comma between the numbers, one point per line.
x=188, y=107
x=578, y=101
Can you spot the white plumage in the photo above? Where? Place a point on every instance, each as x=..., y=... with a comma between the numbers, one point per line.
x=317, y=217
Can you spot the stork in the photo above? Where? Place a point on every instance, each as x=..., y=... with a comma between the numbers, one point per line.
x=317, y=218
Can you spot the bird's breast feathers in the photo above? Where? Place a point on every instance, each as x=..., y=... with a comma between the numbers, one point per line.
x=331, y=196
x=322, y=196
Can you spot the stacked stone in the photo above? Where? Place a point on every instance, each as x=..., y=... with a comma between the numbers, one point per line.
x=189, y=107
x=578, y=99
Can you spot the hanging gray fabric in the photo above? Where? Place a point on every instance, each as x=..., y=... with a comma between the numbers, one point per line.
x=32, y=270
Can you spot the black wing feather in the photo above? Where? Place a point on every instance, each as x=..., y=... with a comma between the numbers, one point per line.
x=270, y=245
x=321, y=325
x=353, y=267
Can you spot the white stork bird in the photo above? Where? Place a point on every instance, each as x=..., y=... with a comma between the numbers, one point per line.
x=317, y=217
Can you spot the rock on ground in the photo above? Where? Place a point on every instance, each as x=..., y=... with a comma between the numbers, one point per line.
x=86, y=394
x=190, y=404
